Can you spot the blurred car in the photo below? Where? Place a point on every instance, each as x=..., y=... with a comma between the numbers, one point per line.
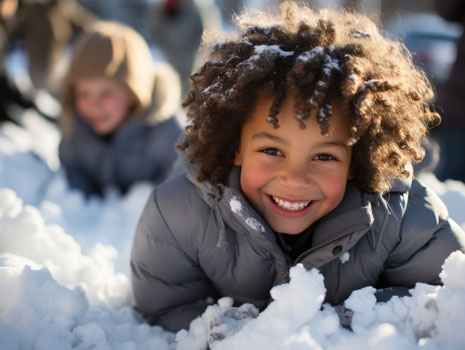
x=431, y=39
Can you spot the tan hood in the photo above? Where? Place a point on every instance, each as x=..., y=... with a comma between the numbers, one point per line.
x=116, y=51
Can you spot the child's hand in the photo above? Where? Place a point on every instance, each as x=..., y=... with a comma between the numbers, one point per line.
x=228, y=320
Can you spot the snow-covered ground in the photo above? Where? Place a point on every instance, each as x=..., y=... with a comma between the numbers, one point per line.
x=64, y=276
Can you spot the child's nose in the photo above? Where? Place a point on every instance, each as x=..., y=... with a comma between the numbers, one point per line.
x=296, y=177
x=96, y=104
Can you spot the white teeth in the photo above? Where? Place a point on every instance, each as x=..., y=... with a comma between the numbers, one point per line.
x=290, y=206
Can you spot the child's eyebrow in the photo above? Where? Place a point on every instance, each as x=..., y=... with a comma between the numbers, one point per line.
x=270, y=137
x=339, y=144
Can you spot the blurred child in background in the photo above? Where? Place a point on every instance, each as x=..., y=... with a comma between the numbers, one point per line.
x=118, y=120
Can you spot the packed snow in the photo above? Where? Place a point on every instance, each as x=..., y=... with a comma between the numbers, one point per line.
x=64, y=276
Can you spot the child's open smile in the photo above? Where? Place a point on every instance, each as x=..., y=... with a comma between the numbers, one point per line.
x=289, y=207
x=293, y=176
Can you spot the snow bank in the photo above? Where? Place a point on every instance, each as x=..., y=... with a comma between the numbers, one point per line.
x=36, y=312
x=432, y=318
x=64, y=277
x=24, y=233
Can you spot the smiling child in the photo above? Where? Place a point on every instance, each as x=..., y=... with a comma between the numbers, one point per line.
x=302, y=133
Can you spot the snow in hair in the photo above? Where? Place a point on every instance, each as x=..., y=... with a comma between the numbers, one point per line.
x=320, y=57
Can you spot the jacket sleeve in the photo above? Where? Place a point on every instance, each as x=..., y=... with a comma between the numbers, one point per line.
x=170, y=289
x=427, y=237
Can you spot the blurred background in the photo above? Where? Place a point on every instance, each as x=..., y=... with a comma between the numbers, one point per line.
x=425, y=32
x=173, y=29
x=37, y=36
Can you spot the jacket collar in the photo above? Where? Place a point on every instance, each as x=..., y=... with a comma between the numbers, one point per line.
x=353, y=215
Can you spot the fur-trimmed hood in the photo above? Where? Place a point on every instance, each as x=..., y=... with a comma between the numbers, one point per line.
x=116, y=51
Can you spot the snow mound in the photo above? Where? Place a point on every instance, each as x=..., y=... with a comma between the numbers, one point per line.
x=54, y=296
x=24, y=233
x=432, y=318
x=64, y=277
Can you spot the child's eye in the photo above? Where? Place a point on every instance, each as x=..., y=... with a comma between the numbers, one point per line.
x=271, y=151
x=325, y=157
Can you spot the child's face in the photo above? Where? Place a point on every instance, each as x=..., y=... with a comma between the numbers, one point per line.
x=293, y=176
x=102, y=103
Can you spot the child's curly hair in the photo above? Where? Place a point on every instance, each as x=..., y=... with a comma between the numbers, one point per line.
x=318, y=56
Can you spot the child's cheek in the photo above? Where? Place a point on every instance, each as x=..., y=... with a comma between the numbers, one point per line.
x=334, y=189
x=253, y=178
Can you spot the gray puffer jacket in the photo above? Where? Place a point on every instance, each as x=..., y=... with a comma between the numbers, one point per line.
x=136, y=152
x=194, y=243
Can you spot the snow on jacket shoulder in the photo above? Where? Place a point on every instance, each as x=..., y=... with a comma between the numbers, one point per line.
x=194, y=244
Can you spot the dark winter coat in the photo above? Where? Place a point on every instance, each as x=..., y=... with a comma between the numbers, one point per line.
x=451, y=94
x=192, y=244
x=137, y=152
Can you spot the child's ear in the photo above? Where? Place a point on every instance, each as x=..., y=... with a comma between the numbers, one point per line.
x=238, y=159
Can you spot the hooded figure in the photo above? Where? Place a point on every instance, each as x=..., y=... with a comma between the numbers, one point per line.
x=139, y=146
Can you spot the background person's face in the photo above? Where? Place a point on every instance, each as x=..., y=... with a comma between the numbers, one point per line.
x=102, y=103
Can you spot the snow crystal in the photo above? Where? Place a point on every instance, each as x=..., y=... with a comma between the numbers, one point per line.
x=255, y=224
x=248, y=43
x=325, y=112
x=369, y=83
x=312, y=102
x=190, y=123
x=225, y=302
x=344, y=257
x=236, y=205
x=260, y=49
x=372, y=82
x=360, y=34
x=351, y=141
x=353, y=77
x=208, y=89
x=310, y=55
x=330, y=64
